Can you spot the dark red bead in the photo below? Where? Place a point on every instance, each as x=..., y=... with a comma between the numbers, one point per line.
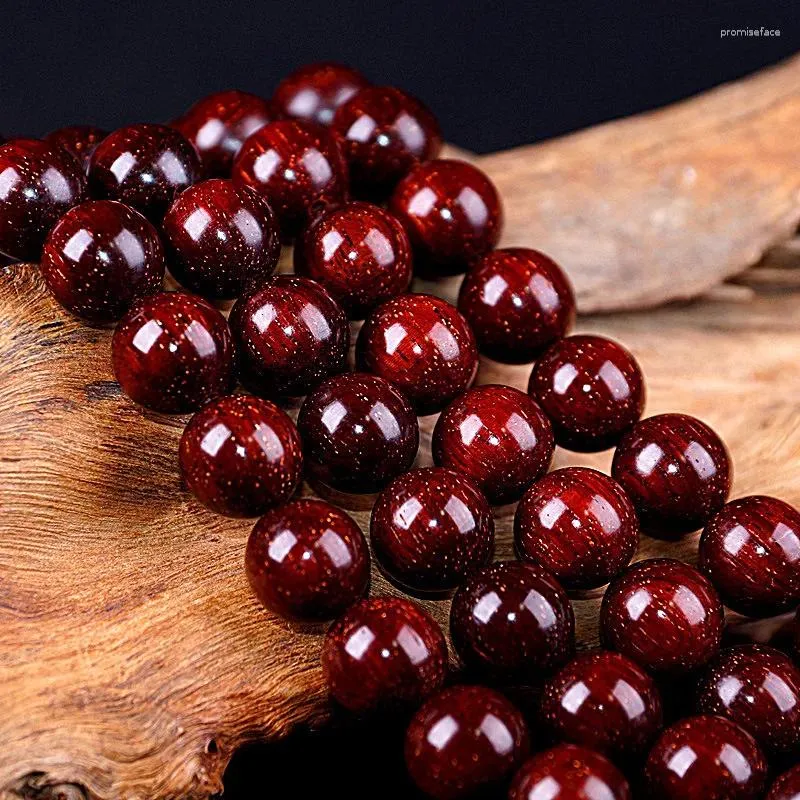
x=705, y=758
x=298, y=167
x=569, y=772
x=603, y=701
x=758, y=688
x=79, y=141
x=464, y=740
x=99, y=258
x=512, y=621
x=221, y=239
x=290, y=335
x=315, y=91
x=384, y=132
x=518, y=301
x=497, y=436
x=676, y=471
x=39, y=182
x=663, y=614
x=430, y=529
x=359, y=432
x=787, y=786
x=172, y=352
x=452, y=213
x=145, y=166
x=423, y=346
x=579, y=525
x=218, y=124
x=751, y=552
x=591, y=388
x=307, y=561
x=384, y=652
x=359, y=253
x=241, y=456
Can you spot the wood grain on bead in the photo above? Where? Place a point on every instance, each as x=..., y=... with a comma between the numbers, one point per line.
x=79, y=141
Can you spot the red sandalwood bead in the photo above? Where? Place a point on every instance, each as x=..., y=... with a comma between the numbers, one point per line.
x=603, y=701
x=518, y=302
x=512, y=621
x=591, y=388
x=452, y=213
x=676, y=471
x=464, y=740
x=99, y=258
x=359, y=432
x=499, y=437
x=241, y=455
x=290, y=335
x=787, y=786
x=705, y=758
x=307, y=561
x=663, y=614
x=751, y=552
x=579, y=525
x=384, y=653
x=172, y=352
x=430, y=529
x=423, y=346
x=79, y=141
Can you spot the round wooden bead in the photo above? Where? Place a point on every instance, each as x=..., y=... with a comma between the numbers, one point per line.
x=579, y=525
x=79, y=141
x=307, y=561
x=499, y=437
x=384, y=653
x=591, y=388
x=430, y=529
x=512, y=621
x=750, y=550
x=423, y=346
x=786, y=786
x=518, y=302
x=663, y=614
x=676, y=471
x=464, y=740
x=241, y=455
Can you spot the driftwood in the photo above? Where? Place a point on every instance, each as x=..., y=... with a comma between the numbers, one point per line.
x=133, y=659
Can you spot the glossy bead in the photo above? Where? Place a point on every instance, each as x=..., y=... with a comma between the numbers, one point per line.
x=221, y=239
x=79, y=141
x=518, y=302
x=464, y=740
x=99, y=258
x=497, y=436
x=569, y=772
x=218, y=124
x=315, y=91
x=384, y=652
x=603, y=701
x=452, y=214
x=787, y=786
x=359, y=253
x=579, y=525
x=512, y=621
x=423, y=346
x=39, y=182
x=307, y=561
x=145, y=166
x=384, y=132
x=290, y=335
x=241, y=455
x=298, y=167
x=663, y=614
x=676, y=471
x=430, y=529
x=359, y=432
x=759, y=688
x=705, y=758
x=172, y=352
x=751, y=552
x=591, y=388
